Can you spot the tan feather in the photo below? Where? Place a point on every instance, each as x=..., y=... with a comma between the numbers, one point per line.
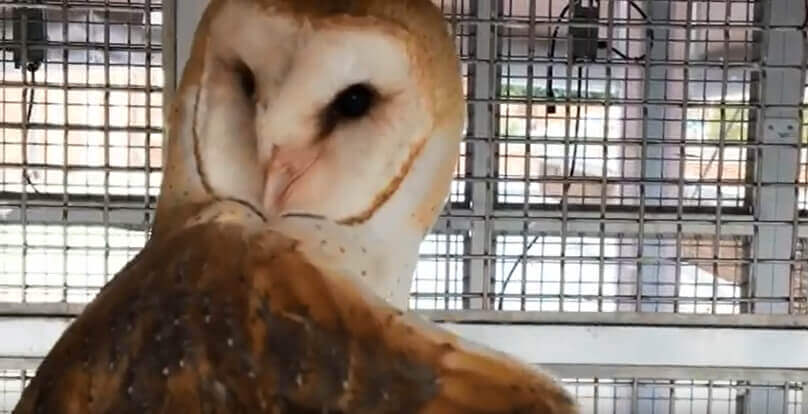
x=217, y=320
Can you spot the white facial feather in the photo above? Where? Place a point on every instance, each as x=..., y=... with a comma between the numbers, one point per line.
x=384, y=175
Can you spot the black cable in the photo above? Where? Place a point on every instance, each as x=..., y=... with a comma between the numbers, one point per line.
x=508, y=278
x=554, y=38
x=577, y=124
x=551, y=95
x=805, y=19
x=29, y=111
x=513, y=268
x=648, y=32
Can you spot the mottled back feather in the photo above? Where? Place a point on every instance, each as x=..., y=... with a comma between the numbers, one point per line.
x=216, y=321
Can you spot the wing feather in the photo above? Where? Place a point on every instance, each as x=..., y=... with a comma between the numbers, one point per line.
x=219, y=321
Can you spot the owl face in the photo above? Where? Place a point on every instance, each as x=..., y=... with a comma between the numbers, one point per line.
x=348, y=111
x=347, y=114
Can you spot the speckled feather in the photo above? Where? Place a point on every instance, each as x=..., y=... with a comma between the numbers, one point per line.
x=216, y=321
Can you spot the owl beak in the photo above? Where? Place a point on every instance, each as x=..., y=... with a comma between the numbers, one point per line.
x=284, y=168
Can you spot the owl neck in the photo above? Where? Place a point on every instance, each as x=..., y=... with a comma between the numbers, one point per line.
x=383, y=260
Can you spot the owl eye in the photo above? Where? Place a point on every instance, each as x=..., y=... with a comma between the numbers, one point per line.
x=354, y=102
x=246, y=79
x=351, y=103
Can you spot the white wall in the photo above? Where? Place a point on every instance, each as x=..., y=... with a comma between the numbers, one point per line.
x=188, y=14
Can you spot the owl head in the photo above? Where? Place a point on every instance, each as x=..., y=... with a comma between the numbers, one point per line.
x=349, y=111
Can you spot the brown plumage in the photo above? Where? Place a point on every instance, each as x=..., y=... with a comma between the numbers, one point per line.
x=235, y=306
x=222, y=319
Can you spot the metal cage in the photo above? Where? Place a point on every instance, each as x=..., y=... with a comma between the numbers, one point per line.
x=638, y=167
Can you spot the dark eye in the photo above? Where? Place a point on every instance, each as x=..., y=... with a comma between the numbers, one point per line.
x=354, y=102
x=246, y=79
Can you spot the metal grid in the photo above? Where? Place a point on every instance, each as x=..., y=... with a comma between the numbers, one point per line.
x=80, y=144
x=638, y=181
x=439, y=276
x=455, y=11
x=88, y=158
x=586, y=137
x=12, y=382
x=799, y=275
x=666, y=396
x=802, y=176
x=599, y=275
x=645, y=191
x=619, y=210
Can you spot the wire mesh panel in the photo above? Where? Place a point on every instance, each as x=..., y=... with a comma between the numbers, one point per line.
x=802, y=176
x=665, y=396
x=799, y=276
x=12, y=383
x=83, y=134
x=455, y=11
x=440, y=275
x=617, y=159
x=585, y=141
x=57, y=263
x=588, y=129
x=599, y=274
x=81, y=141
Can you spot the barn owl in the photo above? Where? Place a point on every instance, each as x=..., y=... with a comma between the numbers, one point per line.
x=310, y=147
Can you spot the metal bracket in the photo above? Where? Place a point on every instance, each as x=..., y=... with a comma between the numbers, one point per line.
x=29, y=26
x=584, y=39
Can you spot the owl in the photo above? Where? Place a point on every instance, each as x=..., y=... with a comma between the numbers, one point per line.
x=311, y=146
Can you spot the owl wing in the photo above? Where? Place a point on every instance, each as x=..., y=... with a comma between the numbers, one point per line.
x=216, y=321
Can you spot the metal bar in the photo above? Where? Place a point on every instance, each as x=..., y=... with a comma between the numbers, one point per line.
x=591, y=371
x=131, y=216
x=517, y=318
x=107, y=163
x=682, y=156
x=531, y=52
x=65, y=134
x=719, y=205
x=776, y=164
x=481, y=119
x=632, y=346
x=656, y=346
x=56, y=140
x=749, y=321
x=24, y=160
x=98, y=6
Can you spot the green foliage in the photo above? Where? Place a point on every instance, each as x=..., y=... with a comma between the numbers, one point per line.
x=735, y=124
x=519, y=91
